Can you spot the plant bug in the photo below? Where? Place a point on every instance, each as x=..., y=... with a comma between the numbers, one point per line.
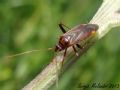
x=70, y=38
x=75, y=36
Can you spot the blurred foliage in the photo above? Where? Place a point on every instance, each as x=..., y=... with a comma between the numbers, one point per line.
x=33, y=24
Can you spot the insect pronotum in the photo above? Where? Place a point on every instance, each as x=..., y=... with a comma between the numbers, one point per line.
x=74, y=36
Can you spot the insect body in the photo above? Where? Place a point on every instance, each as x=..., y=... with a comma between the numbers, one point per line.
x=75, y=36
x=71, y=38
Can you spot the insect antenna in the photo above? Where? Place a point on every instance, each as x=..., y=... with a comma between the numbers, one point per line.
x=27, y=52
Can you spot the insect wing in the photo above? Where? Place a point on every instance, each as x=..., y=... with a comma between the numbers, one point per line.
x=80, y=33
x=75, y=34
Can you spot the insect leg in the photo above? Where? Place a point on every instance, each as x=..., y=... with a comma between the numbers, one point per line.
x=61, y=27
x=75, y=50
x=79, y=46
x=64, y=56
x=64, y=25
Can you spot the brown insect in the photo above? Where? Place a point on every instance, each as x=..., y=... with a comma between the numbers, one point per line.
x=70, y=38
x=74, y=36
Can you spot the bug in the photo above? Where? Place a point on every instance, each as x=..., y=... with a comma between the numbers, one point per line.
x=70, y=38
x=74, y=36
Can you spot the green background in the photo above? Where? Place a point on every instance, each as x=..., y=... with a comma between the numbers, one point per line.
x=33, y=24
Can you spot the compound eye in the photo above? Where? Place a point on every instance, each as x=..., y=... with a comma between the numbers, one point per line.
x=58, y=48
